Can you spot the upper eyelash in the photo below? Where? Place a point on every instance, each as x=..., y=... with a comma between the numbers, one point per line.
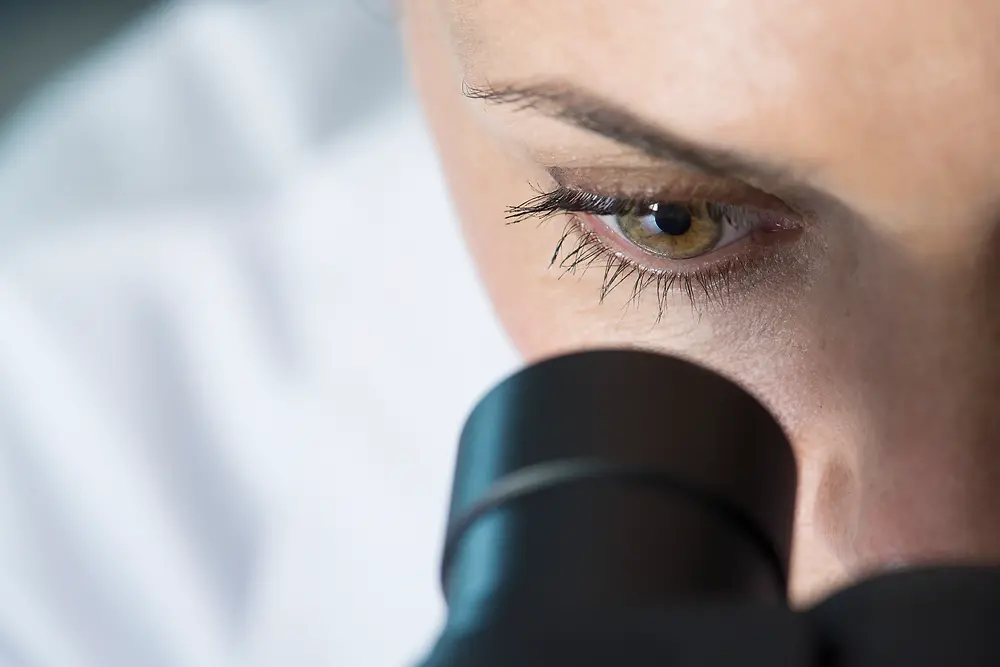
x=712, y=282
x=568, y=200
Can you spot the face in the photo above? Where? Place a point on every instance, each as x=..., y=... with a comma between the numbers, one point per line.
x=801, y=195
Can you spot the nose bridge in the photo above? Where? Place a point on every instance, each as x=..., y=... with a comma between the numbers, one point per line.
x=926, y=329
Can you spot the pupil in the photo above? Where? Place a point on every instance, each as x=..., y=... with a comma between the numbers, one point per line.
x=672, y=219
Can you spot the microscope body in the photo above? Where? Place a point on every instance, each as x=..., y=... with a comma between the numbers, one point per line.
x=628, y=509
x=933, y=617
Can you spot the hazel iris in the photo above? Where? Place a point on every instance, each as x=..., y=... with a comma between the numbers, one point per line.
x=672, y=230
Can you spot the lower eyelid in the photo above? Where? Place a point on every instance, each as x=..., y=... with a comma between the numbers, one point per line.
x=727, y=278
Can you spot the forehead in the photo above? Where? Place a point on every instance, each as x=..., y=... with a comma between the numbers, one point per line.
x=755, y=40
x=865, y=83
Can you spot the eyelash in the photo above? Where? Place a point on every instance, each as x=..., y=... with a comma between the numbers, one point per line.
x=582, y=248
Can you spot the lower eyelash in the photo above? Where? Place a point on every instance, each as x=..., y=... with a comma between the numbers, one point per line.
x=580, y=249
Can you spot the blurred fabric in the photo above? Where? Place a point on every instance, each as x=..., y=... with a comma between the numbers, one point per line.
x=238, y=338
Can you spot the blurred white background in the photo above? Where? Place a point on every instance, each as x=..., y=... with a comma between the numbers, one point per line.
x=238, y=338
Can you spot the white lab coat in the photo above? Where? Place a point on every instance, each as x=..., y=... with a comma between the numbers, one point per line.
x=238, y=337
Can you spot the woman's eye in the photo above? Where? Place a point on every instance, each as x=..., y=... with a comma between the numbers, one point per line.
x=682, y=230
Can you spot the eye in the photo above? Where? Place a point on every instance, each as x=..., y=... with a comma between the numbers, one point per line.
x=682, y=230
x=610, y=231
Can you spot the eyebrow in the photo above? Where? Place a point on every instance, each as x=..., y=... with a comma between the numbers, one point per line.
x=590, y=112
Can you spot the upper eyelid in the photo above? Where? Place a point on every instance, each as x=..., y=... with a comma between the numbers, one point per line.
x=564, y=199
x=643, y=185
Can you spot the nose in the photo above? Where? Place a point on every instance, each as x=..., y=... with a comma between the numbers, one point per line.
x=914, y=378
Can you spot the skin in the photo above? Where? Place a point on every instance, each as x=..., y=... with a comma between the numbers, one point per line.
x=873, y=334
